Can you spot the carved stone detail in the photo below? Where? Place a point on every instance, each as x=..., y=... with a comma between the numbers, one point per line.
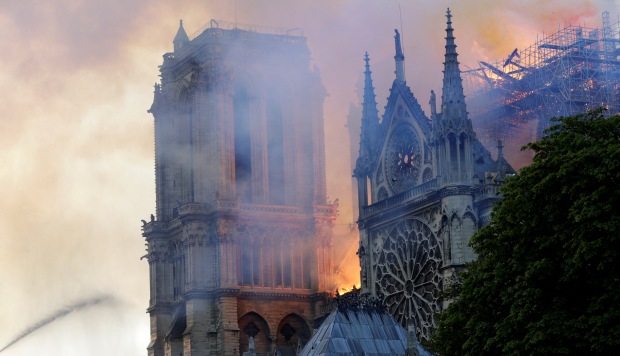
x=195, y=232
x=158, y=250
x=408, y=260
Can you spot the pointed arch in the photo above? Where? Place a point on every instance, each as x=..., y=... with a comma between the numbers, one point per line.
x=185, y=97
x=174, y=335
x=179, y=133
x=254, y=325
x=456, y=238
x=444, y=232
x=469, y=227
x=293, y=331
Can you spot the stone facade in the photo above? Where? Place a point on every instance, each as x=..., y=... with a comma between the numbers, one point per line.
x=425, y=186
x=241, y=242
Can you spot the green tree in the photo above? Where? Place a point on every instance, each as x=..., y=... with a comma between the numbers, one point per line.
x=547, y=276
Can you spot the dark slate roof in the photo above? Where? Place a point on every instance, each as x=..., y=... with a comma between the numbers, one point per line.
x=357, y=331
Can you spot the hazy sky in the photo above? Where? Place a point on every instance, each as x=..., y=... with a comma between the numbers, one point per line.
x=76, y=142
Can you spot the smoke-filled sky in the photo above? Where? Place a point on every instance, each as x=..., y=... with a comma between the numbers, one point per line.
x=76, y=142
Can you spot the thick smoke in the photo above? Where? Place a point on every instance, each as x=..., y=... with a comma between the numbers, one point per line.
x=59, y=314
x=76, y=143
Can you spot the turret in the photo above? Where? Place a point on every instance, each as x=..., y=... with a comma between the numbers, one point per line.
x=181, y=38
x=370, y=115
x=368, y=135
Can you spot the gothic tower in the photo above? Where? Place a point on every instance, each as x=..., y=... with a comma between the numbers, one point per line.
x=240, y=246
x=453, y=138
x=425, y=186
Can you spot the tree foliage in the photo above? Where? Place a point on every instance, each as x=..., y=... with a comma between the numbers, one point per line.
x=547, y=276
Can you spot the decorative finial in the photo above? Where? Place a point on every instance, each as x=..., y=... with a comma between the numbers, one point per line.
x=399, y=58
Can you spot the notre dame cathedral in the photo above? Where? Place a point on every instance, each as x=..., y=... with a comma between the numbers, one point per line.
x=425, y=186
x=240, y=246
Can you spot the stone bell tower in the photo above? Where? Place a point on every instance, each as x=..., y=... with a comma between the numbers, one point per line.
x=240, y=246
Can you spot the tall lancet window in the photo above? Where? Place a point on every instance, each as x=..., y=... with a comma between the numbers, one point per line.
x=453, y=154
x=185, y=137
x=243, y=147
x=275, y=151
x=462, y=155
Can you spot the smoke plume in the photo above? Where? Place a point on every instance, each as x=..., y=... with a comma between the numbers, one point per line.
x=76, y=142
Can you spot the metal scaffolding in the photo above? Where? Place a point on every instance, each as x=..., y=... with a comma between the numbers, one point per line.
x=568, y=72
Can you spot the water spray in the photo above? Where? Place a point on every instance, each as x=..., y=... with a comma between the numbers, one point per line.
x=57, y=315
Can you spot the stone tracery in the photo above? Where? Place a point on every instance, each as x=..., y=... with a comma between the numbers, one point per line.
x=407, y=273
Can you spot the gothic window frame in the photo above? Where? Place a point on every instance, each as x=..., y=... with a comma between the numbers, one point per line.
x=407, y=262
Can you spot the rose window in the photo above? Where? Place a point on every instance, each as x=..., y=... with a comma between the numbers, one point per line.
x=407, y=274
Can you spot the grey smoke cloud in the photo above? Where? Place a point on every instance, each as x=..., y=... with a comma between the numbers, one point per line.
x=76, y=143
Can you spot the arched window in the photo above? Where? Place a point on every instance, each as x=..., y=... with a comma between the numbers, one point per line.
x=456, y=239
x=253, y=325
x=245, y=264
x=453, y=154
x=179, y=175
x=277, y=265
x=251, y=263
x=447, y=241
x=462, y=155
x=267, y=262
x=293, y=331
x=185, y=99
x=275, y=151
x=468, y=230
x=287, y=265
x=243, y=146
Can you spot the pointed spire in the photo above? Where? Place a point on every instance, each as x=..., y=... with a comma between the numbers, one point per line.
x=181, y=38
x=452, y=99
x=369, y=110
x=399, y=58
x=370, y=120
x=500, y=149
x=452, y=129
x=501, y=161
x=433, y=104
